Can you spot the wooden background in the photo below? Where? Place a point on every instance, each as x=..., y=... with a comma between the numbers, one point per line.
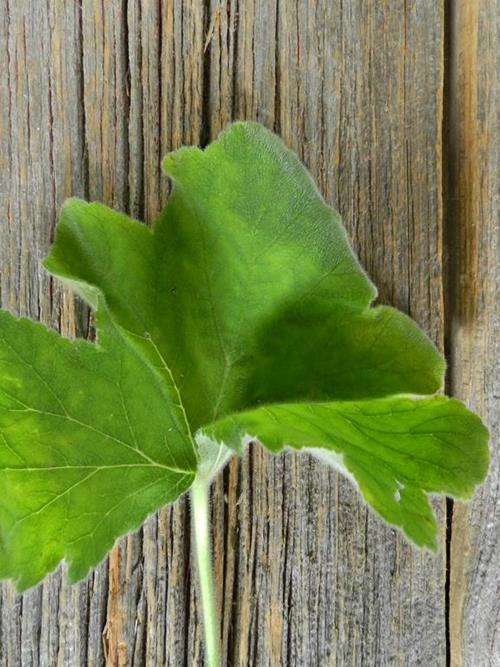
x=392, y=105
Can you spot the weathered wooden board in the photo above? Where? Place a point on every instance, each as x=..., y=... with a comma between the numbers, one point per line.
x=93, y=94
x=473, y=318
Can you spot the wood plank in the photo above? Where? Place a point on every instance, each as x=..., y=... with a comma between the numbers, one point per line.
x=474, y=315
x=305, y=574
x=356, y=89
x=43, y=161
x=144, y=61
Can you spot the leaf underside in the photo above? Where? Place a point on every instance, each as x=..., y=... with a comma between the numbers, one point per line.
x=242, y=314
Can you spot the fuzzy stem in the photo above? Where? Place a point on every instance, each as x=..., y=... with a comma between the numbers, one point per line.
x=203, y=550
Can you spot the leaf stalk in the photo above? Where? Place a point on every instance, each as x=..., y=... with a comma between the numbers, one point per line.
x=200, y=521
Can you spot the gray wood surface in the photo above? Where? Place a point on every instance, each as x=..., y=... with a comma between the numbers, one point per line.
x=404, y=143
x=473, y=319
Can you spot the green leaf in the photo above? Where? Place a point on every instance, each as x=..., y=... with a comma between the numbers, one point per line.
x=243, y=312
x=395, y=450
x=91, y=442
x=247, y=286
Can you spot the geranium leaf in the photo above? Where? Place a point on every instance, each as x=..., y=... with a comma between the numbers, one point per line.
x=395, y=450
x=243, y=312
x=91, y=442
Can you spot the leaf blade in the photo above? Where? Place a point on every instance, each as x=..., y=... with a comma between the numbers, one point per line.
x=82, y=427
x=396, y=449
x=245, y=250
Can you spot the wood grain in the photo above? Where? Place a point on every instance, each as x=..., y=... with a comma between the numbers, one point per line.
x=43, y=154
x=95, y=94
x=473, y=318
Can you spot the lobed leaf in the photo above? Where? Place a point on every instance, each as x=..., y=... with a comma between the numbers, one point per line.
x=395, y=450
x=242, y=313
x=91, y=443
